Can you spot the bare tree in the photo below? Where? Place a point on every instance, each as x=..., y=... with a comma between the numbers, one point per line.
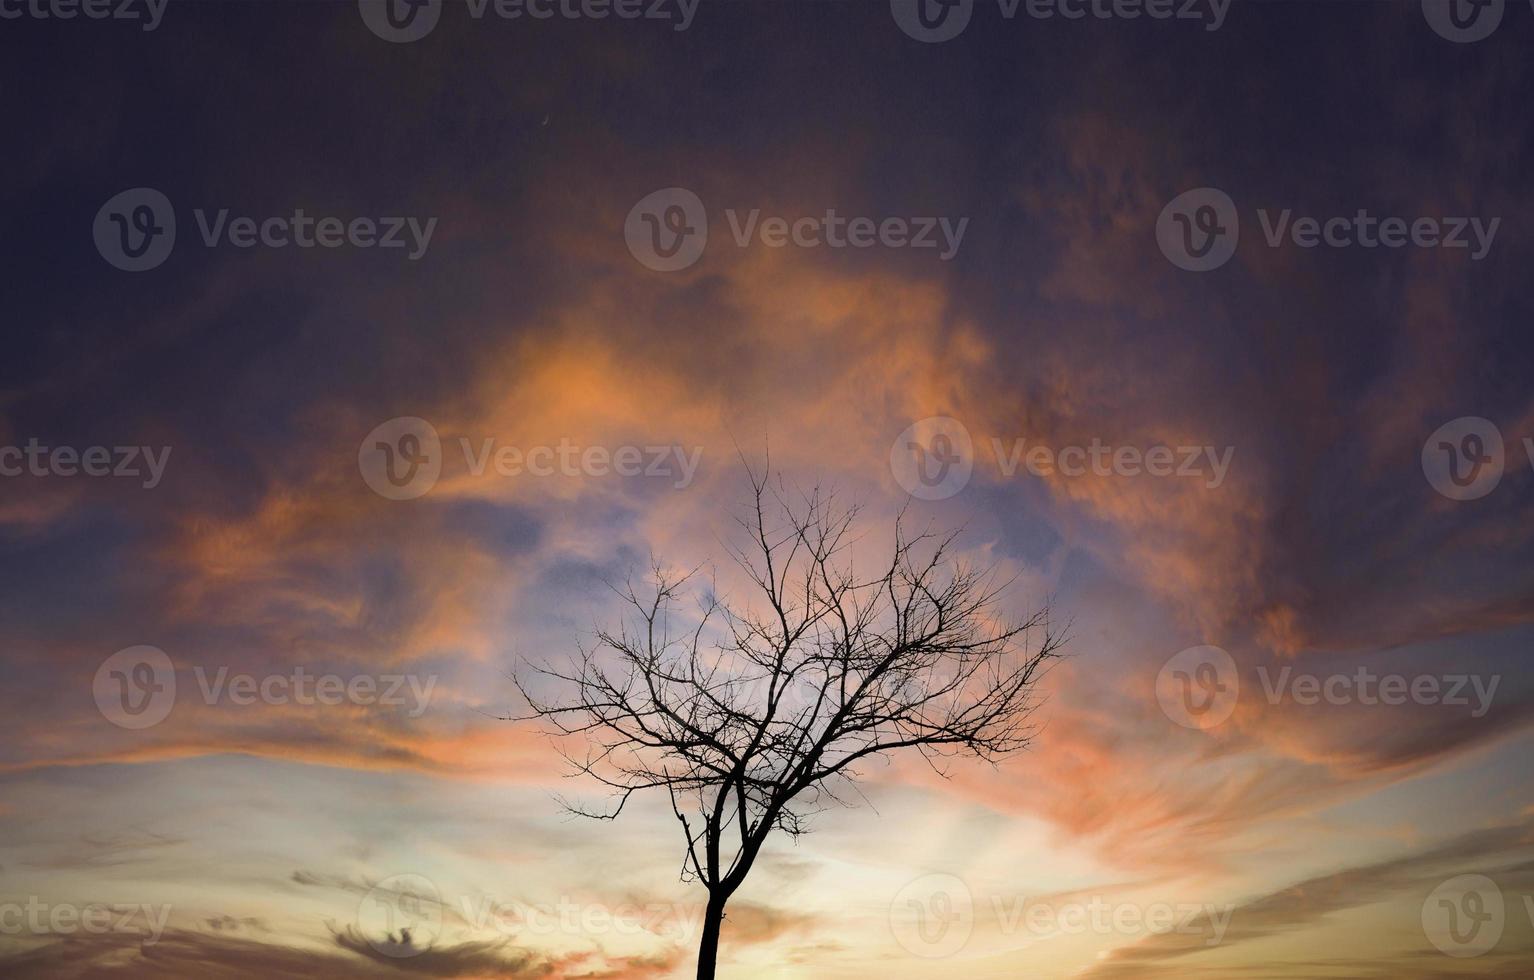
x=753, y=717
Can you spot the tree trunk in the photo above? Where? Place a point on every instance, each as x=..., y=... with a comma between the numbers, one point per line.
x=708, y=947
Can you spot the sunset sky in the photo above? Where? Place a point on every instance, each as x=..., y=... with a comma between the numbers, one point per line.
x=1305, y=527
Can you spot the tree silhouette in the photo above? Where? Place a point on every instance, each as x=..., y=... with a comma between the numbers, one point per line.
x=753, y=717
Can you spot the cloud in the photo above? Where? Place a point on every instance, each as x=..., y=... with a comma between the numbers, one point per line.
x=191, y=955
x=1306, y=904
